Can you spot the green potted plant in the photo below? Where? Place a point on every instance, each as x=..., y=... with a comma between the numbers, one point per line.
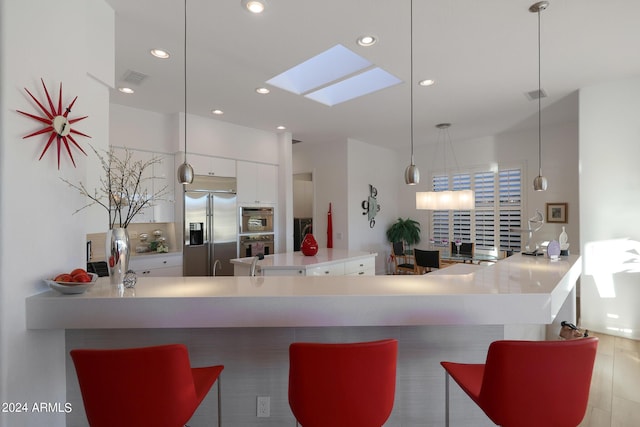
x=404, y=230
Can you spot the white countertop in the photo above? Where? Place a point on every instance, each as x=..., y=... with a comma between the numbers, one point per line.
x=298, y=259
x=517, y=290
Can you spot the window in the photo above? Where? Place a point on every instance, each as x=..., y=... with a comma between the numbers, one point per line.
x=498, y=210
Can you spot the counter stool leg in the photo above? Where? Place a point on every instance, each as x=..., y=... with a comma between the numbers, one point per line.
x=446, y=401
x=219, y=404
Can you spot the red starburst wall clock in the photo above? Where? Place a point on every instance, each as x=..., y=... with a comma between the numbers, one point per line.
x=57, y=123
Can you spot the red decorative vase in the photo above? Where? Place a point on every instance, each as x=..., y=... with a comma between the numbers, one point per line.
x=309, y=246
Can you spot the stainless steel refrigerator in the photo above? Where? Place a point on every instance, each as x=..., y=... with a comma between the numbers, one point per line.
x=211, y=227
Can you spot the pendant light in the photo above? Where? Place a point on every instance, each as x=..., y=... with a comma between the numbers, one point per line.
x=185, y=171
x=411, y=174
x=448, y=199
x=540, y=182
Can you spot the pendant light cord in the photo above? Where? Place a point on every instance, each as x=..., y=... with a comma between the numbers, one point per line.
x=539, y=101
x=411, y=73
x=185, y=81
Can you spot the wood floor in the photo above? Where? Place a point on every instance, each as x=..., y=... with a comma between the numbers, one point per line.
x=614, y=400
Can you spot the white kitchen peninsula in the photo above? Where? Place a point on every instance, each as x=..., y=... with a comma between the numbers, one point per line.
x=248, y=323
x=327, y=262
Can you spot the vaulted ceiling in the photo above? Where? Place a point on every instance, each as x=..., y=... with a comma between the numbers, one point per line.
x=483, y=57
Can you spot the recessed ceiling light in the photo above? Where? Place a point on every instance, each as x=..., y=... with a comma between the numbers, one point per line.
x=426, y=82
x=159, y=53
x=262, y=90
x=281, y=127
x=217, y=112
x=254, y=6
x=367, y=41
x=126, y=90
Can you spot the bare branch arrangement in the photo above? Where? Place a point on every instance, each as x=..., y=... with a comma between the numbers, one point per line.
x=122, y=190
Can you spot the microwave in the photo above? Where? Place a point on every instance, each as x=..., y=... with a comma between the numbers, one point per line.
x=256, y=220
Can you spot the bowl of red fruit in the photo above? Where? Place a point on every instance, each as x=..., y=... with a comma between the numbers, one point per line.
x=75, y=282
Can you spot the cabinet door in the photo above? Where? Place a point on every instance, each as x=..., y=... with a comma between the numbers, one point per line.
x=169, y=265
x=164, y=177
x=257, y=183
x=284, y=272
x=223, y=167
x=360, y=267
x=146, y=181
x=336, y=269
x=163, y=272
x=267, y=184
x=201, y=164
x=212, y=166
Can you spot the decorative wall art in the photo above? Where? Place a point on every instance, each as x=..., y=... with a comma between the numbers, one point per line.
x=371, y=206
x=57, y=123
x=557, y=212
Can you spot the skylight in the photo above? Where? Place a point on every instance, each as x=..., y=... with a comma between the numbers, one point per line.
x=354, y=87
x=329, y=77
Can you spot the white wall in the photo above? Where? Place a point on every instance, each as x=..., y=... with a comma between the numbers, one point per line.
x=40, y=236
x=216, y=138
x=328, y=164
x=367, y=165
x=610, y=207
x=143, y=130
x=342, y=172
x=147, y=130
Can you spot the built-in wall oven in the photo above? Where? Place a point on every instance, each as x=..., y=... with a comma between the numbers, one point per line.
x=254, y=244
x=256, y=220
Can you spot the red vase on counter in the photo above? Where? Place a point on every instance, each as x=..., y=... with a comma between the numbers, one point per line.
x=309, y=246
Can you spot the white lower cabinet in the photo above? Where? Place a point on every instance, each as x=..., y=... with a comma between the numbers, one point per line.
x=284, y=272
x=336, y=269
x=357, y=267
x=162, y=265
x=360, y=267
x=327, y=262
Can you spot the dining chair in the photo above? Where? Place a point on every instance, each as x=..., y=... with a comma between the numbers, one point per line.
x=146, y=386
x=426, y=261
x=342, y=384
x=529, y=383
x=404, y=263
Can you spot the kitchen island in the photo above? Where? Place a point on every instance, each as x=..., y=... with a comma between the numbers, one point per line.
x=327, y=262
x=247, y=324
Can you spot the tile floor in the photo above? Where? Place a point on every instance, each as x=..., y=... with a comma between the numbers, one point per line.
x=614, y=400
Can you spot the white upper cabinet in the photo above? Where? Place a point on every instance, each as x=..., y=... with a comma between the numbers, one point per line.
x=257, y=183
x=212, y=166
x=154, y=179
x=164, y=175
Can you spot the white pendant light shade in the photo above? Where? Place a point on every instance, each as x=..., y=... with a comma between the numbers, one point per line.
x=446, y=200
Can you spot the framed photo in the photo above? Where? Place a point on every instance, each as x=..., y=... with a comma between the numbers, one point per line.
x=557, y=212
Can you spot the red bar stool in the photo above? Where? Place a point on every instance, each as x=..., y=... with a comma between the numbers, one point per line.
x=148, y=386
x=342, y=385
x=529, y=383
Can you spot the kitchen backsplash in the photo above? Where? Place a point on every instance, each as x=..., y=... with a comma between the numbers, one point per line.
x=154, y=232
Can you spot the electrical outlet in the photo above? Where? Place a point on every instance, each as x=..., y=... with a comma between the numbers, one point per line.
x=263, y=407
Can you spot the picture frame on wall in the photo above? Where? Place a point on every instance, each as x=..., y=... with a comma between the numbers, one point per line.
x=557, y=212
